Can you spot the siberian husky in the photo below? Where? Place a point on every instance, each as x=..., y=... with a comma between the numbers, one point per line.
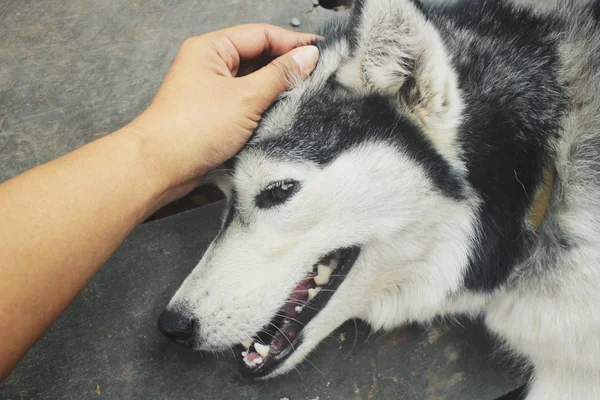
x=441, y=159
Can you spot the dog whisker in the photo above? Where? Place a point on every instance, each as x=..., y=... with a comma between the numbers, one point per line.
x=300, y=303
x=232, y=352
x=298, y=371
x=317, y=368
x=284, y=335
x=259, y=340
x=290, y=318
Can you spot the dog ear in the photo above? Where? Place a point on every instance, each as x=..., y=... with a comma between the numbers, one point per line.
x=398, y=52
x=221, y=178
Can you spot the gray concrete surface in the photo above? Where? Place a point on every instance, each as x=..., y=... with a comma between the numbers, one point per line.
x=72, y=71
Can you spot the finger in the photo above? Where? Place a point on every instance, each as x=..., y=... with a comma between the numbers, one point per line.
x=251, y=41
x=280, y=75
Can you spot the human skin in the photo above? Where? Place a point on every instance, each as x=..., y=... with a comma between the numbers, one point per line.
x=62, y=220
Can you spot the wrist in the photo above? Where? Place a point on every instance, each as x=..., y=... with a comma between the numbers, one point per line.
x=163, y=180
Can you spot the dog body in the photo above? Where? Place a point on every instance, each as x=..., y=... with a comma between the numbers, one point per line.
x=441, y=160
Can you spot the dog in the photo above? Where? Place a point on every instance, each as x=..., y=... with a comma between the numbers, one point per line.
x=442, y=159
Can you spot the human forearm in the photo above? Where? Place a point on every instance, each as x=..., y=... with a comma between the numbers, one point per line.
x=60, y=222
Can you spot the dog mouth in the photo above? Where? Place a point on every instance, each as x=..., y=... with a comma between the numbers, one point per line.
x=278, y=340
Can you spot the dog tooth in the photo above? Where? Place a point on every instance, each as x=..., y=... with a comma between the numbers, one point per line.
x=298, y=309
x=262, y=349
x=321, y=280
x=312, y=292
x=324, y=270
x=258, y=360
x=244, y=353
x=247, y=343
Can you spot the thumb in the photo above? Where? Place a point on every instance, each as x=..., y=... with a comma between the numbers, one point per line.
x=281, y=74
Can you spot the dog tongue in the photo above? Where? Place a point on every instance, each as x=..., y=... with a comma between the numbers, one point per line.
x=251, y=356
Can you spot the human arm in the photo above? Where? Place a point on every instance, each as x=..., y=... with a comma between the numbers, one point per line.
x=62, y=220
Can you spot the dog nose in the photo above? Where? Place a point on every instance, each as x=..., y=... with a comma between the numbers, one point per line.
x=177, y=327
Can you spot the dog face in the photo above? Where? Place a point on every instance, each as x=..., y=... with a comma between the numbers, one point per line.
x=349, y=202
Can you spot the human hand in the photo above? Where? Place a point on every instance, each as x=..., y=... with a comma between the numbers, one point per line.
x=91, y=198
x=209, y=105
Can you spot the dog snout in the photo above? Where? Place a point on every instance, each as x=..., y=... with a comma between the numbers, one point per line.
x=178, y=327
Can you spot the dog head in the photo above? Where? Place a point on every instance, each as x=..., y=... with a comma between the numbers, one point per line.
x=349, y=202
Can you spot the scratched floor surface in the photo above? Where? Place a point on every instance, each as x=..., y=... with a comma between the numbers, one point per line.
x=72, y=71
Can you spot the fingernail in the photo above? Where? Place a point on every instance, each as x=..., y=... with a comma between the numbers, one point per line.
x=306, y=57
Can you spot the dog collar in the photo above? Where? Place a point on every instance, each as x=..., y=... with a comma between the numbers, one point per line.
x=541, y=202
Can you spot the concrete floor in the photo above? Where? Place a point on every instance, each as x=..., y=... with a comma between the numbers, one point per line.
x=73, y=71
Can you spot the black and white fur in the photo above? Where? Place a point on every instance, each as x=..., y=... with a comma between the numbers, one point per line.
x=423, y=137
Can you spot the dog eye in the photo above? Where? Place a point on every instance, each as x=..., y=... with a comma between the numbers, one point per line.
x=276, y=193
